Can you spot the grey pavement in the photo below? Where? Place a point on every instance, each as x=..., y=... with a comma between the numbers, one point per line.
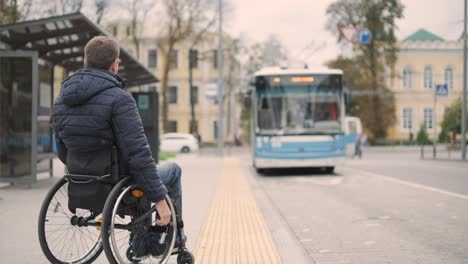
x=19, y=208
x=389, y=207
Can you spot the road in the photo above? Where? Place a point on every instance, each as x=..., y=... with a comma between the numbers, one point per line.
x=389, y=207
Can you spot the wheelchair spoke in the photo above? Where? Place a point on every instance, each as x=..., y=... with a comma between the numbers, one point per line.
x=66, y=241
x=123, y=230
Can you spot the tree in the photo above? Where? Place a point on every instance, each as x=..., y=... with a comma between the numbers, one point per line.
x=60, y=7
x=193, y=56
x=270, y=52
x=138, y=11
x=183, y=19
x=422, y=138
x=372, y=60
x=12, y=11
x=451, y=121
x=101, y=6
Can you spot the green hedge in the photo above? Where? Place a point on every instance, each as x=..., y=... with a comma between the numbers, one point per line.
x=166, y=155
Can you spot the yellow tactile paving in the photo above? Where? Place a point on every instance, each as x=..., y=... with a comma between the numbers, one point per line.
x=234, y=231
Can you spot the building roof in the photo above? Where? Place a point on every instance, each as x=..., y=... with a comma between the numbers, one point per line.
x=60, y=40
x=269, y=71
x=423, y=35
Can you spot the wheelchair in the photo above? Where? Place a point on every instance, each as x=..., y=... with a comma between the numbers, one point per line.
x=116, y=218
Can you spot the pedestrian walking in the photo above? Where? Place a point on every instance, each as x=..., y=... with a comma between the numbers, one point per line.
x=360, y=140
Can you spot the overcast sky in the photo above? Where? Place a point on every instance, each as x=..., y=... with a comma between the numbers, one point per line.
x=299, y=22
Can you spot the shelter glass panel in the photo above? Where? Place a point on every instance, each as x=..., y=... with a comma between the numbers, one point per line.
x=15, y=116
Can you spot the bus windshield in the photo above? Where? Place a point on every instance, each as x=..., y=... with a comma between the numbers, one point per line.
x=299, y=113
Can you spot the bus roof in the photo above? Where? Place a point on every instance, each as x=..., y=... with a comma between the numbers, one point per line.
x=286, y=71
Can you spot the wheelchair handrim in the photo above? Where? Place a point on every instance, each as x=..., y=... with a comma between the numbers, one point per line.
x=115, y=249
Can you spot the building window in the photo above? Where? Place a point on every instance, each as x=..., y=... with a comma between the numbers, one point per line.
x=172, y=96
x=114, y=30
x=152, y=58
x=195, y=94
x=407, y=78
x=428, y=118
x=448, y=77
x=215, y=59
x=408, y=118
x=171, y=127
x=175, y=59
x=128, y=31
x=193, y=56
x=427, y=77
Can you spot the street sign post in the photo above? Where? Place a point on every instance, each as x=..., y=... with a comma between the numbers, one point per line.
x=440, y=90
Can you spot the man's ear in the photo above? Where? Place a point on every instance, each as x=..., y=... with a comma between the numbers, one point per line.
x=114, y=67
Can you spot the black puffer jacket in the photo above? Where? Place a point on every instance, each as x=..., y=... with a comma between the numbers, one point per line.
x=92, y=114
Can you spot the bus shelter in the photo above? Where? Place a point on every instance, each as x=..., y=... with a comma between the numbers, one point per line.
x=30, y=54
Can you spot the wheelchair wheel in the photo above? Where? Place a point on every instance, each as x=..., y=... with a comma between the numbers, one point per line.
x=128, y=221
x=185, y=257
x=67, y=237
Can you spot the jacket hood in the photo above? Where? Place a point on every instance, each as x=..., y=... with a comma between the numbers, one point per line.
x=86, y=83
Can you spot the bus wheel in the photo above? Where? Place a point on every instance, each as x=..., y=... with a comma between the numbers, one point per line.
x=330, y=170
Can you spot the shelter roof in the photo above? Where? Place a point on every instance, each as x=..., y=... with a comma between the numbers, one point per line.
x=61, y=40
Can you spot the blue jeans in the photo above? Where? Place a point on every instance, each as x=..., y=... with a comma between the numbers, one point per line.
x=170, y=174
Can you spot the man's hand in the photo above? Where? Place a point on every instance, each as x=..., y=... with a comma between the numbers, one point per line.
x=164, y=213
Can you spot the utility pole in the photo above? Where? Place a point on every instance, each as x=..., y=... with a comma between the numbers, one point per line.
x=434, y=126
x=220, y=78
x=463, y=139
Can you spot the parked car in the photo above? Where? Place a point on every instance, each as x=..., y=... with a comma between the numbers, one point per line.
x=178, y=142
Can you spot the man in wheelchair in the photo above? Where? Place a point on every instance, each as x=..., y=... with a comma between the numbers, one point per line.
x=94, y=115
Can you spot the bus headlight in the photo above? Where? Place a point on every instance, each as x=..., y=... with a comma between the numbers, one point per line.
x=276, y=142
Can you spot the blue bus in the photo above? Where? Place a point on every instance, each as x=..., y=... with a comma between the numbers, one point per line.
x=298, y=118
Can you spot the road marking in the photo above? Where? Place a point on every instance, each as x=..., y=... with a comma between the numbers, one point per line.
x=235, y=230
x=325, y=181
x=412, y=184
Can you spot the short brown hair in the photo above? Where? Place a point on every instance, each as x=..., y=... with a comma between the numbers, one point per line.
x=100, y=52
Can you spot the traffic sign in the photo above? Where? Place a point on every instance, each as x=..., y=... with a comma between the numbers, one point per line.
x=211, y=91
x=348, y=33
x=441, y=90
x=364, y=36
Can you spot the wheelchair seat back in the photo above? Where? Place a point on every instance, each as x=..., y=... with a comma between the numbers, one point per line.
x=91, y=177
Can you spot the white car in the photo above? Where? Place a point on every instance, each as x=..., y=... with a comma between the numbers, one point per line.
x=178, y=142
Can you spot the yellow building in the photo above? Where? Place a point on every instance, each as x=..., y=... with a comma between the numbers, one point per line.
x=205, y=76
x=424, y=61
